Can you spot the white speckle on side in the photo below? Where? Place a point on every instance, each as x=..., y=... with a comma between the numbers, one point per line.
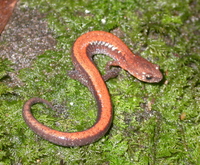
x=157, y=68
x=114, y=48
x=143, y=72
x=99, y=42
x=102, y=43
x=106, y=44
x=62, y=137
x=110, y=46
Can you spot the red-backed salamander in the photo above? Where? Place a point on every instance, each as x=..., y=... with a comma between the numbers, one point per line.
x=87, y=45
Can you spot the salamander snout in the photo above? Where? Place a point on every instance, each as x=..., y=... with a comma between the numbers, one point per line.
x=152, y=78
x=144, y=70
x=153, y=75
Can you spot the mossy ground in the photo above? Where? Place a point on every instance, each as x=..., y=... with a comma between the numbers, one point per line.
x=153, y=123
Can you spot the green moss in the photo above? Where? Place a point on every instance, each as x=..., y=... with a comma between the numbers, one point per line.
x=4, y=69
x=148, y=127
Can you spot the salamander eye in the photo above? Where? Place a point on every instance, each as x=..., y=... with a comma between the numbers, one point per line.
x=149, y=76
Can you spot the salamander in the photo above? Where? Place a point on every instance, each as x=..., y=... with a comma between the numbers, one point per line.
x=87, y=45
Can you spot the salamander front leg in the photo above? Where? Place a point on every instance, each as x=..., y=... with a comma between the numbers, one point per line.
x=111, y=72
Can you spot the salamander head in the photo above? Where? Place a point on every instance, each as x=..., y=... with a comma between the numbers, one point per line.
x=144, y=70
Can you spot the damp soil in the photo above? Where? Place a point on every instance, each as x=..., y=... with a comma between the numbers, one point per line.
x=25, y=36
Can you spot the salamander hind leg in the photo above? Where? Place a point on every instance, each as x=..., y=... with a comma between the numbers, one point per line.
x=111, y=72
x=75, y=74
